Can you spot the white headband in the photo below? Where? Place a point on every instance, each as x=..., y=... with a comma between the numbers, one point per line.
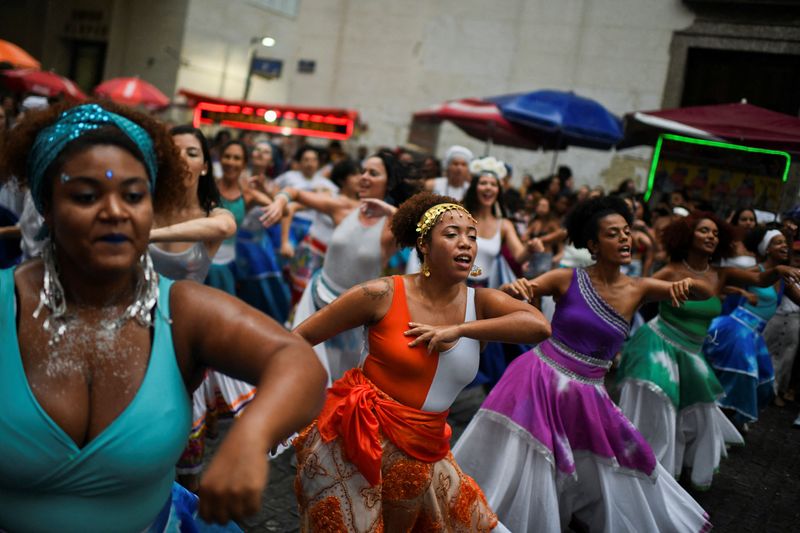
x=768, y=236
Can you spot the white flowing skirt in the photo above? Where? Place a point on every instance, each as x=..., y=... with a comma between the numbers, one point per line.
x=518, y=476
x=694, y=438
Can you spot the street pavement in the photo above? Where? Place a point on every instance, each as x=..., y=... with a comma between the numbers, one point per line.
x=756, y=490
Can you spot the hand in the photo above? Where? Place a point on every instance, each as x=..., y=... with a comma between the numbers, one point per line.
x=274, y=211
x=680, y=291
x=789, y=274
x=750, y=297
x=253, y=182
x=232, y=485
x=437, y=337
x=377, y=208
x=535, y=245
x=521, y=289
x=287, y=250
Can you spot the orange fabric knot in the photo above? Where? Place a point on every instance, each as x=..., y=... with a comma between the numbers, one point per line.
x=358, y=412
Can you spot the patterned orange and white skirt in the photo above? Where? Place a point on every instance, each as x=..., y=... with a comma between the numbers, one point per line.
x=333, y=496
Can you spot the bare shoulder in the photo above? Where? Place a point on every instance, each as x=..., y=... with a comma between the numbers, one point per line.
x=377, y=289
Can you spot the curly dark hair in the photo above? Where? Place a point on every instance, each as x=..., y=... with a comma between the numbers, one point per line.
x=207, y=192
x=471, y=202
x=582, y=221
x=404, y=221
x=678, y=235
x=14, y=160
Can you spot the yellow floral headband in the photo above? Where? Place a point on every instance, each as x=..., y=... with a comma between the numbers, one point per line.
x=431, y=216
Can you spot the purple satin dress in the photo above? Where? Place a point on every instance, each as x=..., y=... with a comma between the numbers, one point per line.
x=567, y=415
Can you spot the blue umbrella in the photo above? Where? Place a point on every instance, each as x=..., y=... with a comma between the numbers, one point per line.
x=562, y=118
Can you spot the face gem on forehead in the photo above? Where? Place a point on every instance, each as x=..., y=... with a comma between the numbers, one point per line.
x=65, y=178
x=109, y=174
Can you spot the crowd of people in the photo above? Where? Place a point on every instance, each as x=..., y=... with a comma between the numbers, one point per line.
x=337, y=304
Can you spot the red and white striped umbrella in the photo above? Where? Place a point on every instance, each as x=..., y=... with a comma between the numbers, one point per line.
x=41, y=82
x=133, y=92
x=482, y=120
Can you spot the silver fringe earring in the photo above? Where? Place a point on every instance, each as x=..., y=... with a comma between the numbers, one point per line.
x=52, y=297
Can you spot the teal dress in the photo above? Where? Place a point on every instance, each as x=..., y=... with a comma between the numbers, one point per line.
x=121, y=479
x=736, y=349
x=221, y=275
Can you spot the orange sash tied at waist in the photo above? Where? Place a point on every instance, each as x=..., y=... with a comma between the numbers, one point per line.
x=358, y=412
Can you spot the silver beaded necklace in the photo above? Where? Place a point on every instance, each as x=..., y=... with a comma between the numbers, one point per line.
x=52, y=297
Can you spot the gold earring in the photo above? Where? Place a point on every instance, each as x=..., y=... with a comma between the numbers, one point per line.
x=476, y=271
x=425, y=269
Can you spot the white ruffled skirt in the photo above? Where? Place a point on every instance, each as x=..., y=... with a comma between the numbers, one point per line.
x=694, y=438
x=518, y=476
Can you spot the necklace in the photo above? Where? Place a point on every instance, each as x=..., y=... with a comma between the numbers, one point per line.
x=52, y=297
x=693, y=271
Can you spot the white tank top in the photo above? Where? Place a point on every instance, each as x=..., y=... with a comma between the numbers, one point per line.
x=488, y=250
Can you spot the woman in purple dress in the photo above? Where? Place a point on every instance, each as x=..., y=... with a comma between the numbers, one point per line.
x=548, y=445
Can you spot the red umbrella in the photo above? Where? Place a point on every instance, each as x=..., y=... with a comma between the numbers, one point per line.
x=739, y=123
x=41, y=82
x=133, y=92
x=482, y=120
x=16, y=56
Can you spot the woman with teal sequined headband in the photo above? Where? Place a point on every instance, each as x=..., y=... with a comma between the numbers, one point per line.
x=104, y=353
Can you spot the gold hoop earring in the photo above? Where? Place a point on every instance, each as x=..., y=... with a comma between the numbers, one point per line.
x=476, y=271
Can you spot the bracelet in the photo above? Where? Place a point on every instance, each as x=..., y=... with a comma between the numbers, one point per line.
x=286, y=195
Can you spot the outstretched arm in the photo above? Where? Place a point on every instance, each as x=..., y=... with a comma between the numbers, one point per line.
x=763, y=278
x=319, y=201
x=212, y=230
x=553, y=283
x=655, y=290
x=213, y=329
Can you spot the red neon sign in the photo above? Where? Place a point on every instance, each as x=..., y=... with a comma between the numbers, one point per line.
x=330, y=126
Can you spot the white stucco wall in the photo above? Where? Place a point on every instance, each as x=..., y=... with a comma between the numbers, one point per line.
x=388, y=59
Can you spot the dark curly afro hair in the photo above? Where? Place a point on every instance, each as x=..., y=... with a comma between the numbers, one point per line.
x=678, y=235
x=14, y=160
x=582, y=222
x=404, y=221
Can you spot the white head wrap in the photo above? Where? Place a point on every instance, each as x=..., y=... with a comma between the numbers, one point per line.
x=764, y=244
x=457, y=151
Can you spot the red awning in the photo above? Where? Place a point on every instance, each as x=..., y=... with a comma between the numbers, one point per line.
x=738, y=123
x=325, y=122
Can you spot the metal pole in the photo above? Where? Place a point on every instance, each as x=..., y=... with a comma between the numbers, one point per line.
x=249, y=73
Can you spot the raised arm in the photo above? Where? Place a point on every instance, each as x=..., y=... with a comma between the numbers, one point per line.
x=213, y=329
x=337, y=207
x=362, y=305
x=518, y=250
x=212, y=230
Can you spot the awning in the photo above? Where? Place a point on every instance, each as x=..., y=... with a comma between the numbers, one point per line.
x=324, y=122
x=739, y=123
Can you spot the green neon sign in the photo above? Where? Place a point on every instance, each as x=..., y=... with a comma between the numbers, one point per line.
x=651, y=178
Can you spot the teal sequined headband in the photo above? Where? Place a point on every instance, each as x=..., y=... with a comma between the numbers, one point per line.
x=72, y=124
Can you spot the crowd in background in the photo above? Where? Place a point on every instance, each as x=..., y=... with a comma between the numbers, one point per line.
x=288, y=225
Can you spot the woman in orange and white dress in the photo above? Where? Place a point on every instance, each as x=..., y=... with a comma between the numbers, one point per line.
x=378, y=457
